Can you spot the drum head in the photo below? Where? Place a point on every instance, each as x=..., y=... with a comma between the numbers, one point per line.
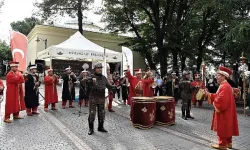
x=142, y=98
x=163, y=97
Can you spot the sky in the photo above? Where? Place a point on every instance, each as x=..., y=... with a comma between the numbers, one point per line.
x=14, y=10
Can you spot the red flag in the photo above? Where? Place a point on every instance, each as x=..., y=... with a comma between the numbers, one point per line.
x=19, y=48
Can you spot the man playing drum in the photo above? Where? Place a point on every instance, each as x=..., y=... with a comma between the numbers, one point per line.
x=137, y=87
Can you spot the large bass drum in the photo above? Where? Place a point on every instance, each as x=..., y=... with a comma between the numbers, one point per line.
x=143, y=112
x=165, y=110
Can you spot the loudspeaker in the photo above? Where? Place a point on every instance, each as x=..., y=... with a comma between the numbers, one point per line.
x=40, y=65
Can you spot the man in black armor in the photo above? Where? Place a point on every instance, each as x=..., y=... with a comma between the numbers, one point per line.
x=83, y=94
x=32, y=91
x=124, y=83
x=68, y=91
x=96, y=85
x=186, y=95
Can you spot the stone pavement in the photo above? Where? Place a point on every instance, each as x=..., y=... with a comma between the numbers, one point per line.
x=65, y=129
x=198, y=130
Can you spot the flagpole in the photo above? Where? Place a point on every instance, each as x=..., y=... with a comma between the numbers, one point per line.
x=10, y=47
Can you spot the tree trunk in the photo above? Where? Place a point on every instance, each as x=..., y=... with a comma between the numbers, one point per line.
x=183, y=62
x=224, y=58
x=199, y=60
x=163, y=61
x=149, y=58
x=80, y=16
x=175, y=61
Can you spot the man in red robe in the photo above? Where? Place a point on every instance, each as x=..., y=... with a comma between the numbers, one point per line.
x=14, y=101
x=110, y=92
x=50, y=92
x=148, y=87
x=136, y=82
x=225, y=121
x=199, y=85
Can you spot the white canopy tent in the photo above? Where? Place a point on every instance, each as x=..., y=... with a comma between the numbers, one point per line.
x=77, y=47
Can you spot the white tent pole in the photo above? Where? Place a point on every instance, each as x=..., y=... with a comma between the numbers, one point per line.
x=121, y=73
x=105, y=73
x=105, y=62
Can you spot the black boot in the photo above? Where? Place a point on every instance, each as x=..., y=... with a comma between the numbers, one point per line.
x=91, y=128
x=188, y=115
x=100, y=127
x=183, y=113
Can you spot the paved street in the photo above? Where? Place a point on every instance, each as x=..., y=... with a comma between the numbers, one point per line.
x=65, y=129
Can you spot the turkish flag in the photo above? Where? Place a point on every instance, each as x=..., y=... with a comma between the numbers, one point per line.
x=19, y=48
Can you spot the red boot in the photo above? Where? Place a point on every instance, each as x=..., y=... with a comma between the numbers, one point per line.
x=28, y=111
x=34, y=111
x=80, y=102
x=71, y=104
x=86, y=102
x=64, y=104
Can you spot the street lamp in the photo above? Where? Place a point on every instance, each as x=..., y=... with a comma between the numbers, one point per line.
x=44, y=40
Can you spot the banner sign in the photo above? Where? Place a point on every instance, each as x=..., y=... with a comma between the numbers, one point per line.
x=77, y=54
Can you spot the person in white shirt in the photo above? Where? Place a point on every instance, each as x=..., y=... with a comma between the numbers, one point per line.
x=158, y=88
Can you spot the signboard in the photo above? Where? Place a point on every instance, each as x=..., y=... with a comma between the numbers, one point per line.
x=76, y=66
x=76, y=54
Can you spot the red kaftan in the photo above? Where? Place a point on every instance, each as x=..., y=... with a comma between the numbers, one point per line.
x=21, y=91
x=14, y=93
x=50, y=92
x=147, y=90
x=133, y=83
x=225, y=116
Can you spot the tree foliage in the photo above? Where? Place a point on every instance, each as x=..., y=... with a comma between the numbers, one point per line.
x=181, y=30
x=1, y=4
x=72, y=8
x=152, y=22
x=5, y=53
x=26, y=25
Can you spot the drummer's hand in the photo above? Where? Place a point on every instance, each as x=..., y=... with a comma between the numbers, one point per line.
x=207, y=92
x=150, y=74
x=37, y=84
x=1, y=87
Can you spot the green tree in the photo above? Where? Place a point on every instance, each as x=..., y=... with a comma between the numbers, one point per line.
x=152, y=22
x=233, y=37
x=26, y=25
x=5, y=53
x=73, y=8
x=181, y=30
x=1, y=3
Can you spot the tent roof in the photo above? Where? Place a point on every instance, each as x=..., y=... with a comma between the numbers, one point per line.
x=78, y=42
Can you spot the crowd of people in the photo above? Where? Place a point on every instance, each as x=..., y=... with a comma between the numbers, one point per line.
x=92, y=94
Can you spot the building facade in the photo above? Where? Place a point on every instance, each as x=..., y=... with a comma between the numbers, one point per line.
x=52, y=35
